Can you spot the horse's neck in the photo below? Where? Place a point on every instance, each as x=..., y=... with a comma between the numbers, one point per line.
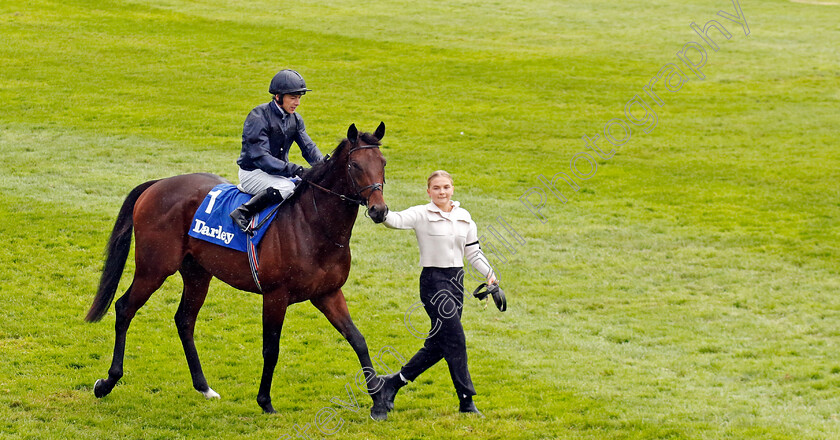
x=326, y=211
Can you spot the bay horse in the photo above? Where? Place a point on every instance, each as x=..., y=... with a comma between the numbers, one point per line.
x=304, y=255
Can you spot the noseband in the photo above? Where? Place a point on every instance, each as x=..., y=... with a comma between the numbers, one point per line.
x=360, y=200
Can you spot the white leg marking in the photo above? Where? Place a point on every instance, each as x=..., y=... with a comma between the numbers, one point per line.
x=210, y=394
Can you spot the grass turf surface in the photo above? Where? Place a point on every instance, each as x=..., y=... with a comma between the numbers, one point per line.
x=688, y=290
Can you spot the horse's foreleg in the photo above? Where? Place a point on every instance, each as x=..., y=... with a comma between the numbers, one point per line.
x=274, y=312
x=334, y=307
x=196, y=282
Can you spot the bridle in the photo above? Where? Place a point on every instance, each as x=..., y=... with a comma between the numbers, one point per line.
x=360, y=200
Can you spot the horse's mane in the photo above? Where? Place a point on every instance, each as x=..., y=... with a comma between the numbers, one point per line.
x=320, y=170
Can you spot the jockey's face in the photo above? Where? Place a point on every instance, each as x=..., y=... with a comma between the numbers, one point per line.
x=290, y=103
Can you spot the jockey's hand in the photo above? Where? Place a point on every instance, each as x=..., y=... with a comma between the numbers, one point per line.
x=492, y=279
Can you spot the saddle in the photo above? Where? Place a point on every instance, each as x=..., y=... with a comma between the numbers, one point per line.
x=212, y=221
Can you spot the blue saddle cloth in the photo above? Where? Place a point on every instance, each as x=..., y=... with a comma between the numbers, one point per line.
x=212, y=221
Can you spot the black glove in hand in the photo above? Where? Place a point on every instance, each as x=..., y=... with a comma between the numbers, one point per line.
x=493, y=290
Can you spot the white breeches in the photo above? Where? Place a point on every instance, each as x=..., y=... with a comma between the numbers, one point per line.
x=253, y=182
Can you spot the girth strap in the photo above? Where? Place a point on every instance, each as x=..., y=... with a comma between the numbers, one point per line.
x=254, y=262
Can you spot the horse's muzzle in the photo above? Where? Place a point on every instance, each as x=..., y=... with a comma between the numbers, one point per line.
x=377, y=213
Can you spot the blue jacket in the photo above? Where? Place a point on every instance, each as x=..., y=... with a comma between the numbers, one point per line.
x=267, y=136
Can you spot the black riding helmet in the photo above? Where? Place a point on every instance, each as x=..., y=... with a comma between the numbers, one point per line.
x=287, y=81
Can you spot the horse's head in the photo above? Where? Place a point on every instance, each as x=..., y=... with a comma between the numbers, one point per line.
x=366, y=170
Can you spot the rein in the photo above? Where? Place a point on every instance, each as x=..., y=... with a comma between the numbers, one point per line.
x=361, y=200
x=340, y=196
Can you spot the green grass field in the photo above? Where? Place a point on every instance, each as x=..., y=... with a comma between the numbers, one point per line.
x=687, y=290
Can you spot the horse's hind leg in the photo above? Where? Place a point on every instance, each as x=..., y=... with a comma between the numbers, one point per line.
x=196, y=282
x=142, y=287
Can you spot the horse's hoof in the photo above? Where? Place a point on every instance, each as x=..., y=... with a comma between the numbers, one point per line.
x=101, y=389
x=268, y=409
x=378, y=413
x=210, y=394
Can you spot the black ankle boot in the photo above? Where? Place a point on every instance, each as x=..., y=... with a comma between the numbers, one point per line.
x=467, y=406
x=242, y=215
x=392, y=384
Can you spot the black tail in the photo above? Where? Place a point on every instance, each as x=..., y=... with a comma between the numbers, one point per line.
x=115, y=255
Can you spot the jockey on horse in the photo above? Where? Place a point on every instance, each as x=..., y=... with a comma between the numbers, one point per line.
x=270, y=129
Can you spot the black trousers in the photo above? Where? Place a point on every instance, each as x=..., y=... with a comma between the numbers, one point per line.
x=442, y=294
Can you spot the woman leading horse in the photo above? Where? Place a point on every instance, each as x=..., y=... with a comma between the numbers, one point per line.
x=304, y=256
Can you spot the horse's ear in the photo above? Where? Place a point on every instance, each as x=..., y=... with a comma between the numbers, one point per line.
x=380, y=131
x=352, y=133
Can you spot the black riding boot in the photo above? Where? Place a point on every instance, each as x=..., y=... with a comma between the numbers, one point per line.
x=390, y=385
x=467, y=405
x=242, y=215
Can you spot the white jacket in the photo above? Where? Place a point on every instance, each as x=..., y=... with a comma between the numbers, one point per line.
x=444, y=238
